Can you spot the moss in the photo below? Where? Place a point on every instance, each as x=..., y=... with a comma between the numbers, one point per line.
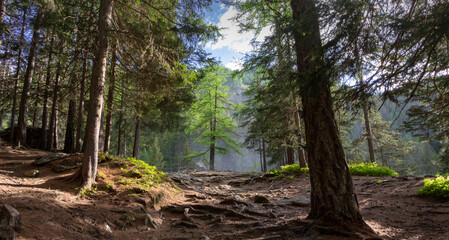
x=290, y=170
x=370, y=169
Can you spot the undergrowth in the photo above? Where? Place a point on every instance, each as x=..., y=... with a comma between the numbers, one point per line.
x=289, y=171
x=370, y=169
x=137, y=175
x=438, y=187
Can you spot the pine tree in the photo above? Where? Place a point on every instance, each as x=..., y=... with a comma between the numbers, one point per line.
x=156, y=156
x=210, y=115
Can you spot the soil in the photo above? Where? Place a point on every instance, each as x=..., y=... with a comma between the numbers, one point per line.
x=207, y=205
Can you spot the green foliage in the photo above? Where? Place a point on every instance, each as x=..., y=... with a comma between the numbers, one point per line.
x=370, y=169
x=87, y=192
x=156, y=156
x=289, y=170
x=186, y=162
x=210, y=115
x=438, y=187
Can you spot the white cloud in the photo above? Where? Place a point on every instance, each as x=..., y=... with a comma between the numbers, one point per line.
x=232, y=39
x=235, y=64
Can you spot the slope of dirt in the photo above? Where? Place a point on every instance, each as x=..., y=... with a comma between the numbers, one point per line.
x=208, y=205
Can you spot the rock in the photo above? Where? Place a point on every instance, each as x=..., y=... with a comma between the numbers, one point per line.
x=10, y=216
x=261, y=199
x=133, y=174
x=224, y=187
x=59, y=168
x=6, y=232
x=48, y=158
x=204, y=237
x=31, y=173
x=297, y=201
x=107, y=228
x=234, y=199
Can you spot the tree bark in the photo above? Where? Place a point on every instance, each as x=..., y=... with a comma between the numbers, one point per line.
x=301, y=152
x=369, y=133
x=107, y=136
x=79, y=121
x=290, y=155
x=213, y=125
x=120, y=120
x=90, y=158
x=264, y=154
x=21, y=125
x=36, y=102
x=16, y=78
x=333, y=200
x=52, y=126
x=69, y=141
x=2, y=23
x=56, y=130
x=137, y=137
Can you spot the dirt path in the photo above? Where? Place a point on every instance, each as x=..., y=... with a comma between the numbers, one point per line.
x=211, y=205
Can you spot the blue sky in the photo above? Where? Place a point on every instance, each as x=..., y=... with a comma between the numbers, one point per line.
x=233, y=45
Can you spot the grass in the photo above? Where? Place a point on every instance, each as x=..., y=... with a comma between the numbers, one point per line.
x=136, y=175
x=358, y=169
x=438, y=187
x=289, y=171
x=370, y=169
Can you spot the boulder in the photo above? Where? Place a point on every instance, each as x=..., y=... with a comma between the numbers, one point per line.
x=48, y=158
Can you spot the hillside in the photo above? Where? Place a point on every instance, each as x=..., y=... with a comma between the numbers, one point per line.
x=207, y=205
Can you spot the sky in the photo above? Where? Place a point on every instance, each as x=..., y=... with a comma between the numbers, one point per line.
x=232, y=46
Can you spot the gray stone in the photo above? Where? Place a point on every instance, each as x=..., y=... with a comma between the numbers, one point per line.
x=204, y=237
x=296, y=201
x=31, y=173
x=10, y=216
x=48, y=158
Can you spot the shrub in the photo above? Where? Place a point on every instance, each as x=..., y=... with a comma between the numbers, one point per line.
x=438, y=187
x=370, y=169
x=293, y=169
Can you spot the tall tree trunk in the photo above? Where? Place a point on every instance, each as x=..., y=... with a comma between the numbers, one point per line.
x=264, y=156
x=56, y=130
x=21, y=125
x=79, y=118
x=333, y=200
x=137, y=137
x=90, y=158
x=101, y=134
x=290, y=155
x=43, y=137
x=69, y=141
x=369, y=133
x=107, y=136
x=213, y=125
x=120, y=120
x=260, y=155
x=2, y=17
x=16, y=79
x=301, y=153
x=70, y=128
x=51, y=128
x=36, y=102
x=365, y=103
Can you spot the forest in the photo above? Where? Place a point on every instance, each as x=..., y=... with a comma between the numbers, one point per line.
x=328, y=88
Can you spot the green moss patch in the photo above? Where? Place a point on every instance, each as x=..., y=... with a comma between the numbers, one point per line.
x=289, y=171
x=370, y=169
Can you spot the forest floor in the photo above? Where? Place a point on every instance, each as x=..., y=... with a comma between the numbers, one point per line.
x=207, y=205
